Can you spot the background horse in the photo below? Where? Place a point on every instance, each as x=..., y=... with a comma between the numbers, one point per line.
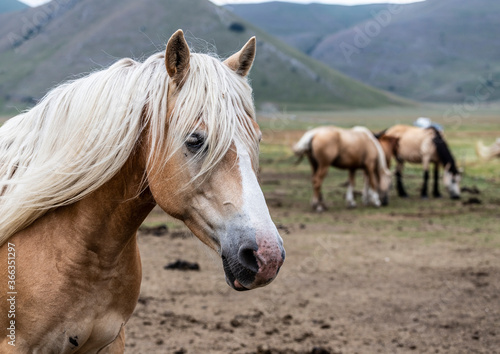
x=488, y=152
x=81, y=171
x=351, y=149
x=423, y=145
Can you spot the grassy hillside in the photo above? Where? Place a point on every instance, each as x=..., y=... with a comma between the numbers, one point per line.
x=302, y=25
x=87, y=35
x=11, y=5
x=437, y=50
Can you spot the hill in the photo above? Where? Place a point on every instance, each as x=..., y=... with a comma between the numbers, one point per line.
x=11, y=5
x=437, y=50
x=302, y=25
x=85, y=35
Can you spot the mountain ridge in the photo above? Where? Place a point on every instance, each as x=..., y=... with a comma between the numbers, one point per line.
x=439, y=51
x=86, y=35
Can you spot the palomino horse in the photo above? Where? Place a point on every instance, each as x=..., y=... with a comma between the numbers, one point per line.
x=348, y=149
x=488, y=152
x=423, y=145
x=81, y=170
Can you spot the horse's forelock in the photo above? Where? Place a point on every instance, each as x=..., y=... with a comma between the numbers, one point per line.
x=218, y=100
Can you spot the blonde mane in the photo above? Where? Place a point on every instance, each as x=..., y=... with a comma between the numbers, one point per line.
x=82, y=132
x=382, y=165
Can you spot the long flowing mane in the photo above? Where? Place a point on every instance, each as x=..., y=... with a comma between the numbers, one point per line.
x=443, y=152
x=82, y=132
x=382, y=165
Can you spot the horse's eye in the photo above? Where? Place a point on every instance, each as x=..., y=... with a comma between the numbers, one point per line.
x=195, y=142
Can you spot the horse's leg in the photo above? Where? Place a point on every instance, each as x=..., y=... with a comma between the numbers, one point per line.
x=371, y=181
x=349, y=197
x=366, y=187
x=425, y=164
x=435, y=190
x=399, y=179
x=317, y=181
x=117, y=346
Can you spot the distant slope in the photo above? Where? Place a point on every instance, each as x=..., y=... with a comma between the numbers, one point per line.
x=437, y=50
x=302, y=25
x=85, y=35
x=11, y=5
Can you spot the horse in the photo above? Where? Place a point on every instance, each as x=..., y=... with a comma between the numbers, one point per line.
x=488, y=152
x=81, y=170
x=348, y=149
x=425, y=146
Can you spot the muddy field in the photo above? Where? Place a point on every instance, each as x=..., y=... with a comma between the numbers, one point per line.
x=419, y=276
x=346, y=287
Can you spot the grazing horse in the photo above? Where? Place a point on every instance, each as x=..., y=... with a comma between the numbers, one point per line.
x=425, y=146
x=348, y=149
x=488, y=152
x=81, y=170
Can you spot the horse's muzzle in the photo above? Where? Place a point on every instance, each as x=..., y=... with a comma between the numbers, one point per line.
x=253, y=266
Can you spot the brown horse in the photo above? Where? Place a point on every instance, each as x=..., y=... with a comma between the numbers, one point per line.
x=488, y=152
x=348, y=149
x=425, y=146
x=81, y=171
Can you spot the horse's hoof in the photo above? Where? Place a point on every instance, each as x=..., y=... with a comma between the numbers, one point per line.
x=437, y=196
x=424, y=197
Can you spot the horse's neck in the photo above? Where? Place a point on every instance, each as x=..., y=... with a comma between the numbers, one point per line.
x=105, y=221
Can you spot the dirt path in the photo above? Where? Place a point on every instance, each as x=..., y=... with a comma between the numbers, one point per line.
x=336, y=293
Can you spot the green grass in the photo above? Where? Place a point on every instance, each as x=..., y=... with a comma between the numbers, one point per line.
x=287, y=187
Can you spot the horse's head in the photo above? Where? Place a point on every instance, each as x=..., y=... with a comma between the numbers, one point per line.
x=207, y=175
x=451, y=180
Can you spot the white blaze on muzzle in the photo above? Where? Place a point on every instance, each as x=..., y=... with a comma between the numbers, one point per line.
x=270, y=252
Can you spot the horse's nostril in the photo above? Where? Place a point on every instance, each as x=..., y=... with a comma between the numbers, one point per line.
x=247, y=258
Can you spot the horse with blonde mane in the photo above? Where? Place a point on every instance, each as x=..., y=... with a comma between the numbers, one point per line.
x=425, y=146
x=81, y=170
x=488, y=152
x=348, y=149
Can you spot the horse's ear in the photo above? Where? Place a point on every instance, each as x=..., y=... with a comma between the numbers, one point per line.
x=177, y=57
x=242, y=61
x=380, y=134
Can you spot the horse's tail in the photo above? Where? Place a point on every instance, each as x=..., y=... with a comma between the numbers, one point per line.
x=443, y=151
x=382, y=165
x=483, y=151
x=303, y=146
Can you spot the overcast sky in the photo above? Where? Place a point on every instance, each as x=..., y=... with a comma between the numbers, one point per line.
x=223, y=2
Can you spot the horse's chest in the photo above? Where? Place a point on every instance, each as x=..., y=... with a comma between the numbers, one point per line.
x=75, y=306
x=87, y=335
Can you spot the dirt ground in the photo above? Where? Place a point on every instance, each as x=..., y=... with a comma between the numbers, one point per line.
x=338, y=292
